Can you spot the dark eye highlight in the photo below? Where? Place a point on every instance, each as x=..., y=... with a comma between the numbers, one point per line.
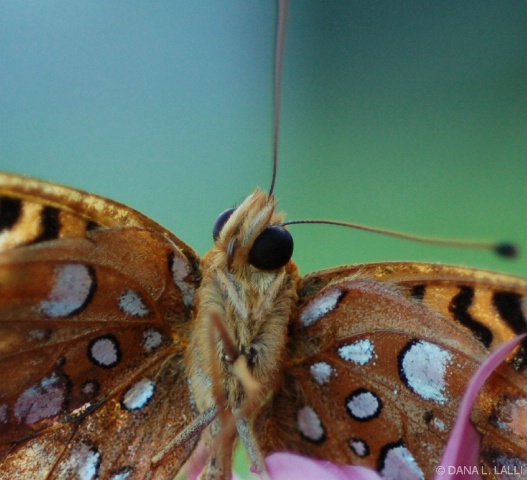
x=272, y=249
x=220, y=221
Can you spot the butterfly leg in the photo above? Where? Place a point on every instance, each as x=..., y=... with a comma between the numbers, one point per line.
x=246, y=433
x=219, y=441
x=191, y=430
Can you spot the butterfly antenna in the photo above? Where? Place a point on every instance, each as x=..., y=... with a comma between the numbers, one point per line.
x=502, y=249
x=278, y=56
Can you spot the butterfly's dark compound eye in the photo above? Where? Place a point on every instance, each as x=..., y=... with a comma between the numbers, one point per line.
x=220, y=221
x=272, y=249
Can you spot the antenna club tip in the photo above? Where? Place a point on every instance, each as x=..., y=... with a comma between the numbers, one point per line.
x=506, y=250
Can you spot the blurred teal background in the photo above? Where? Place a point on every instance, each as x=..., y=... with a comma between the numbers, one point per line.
x=406, y=115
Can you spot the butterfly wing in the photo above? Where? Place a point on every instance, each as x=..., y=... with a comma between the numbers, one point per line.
x=95, y=303
x=378, y=360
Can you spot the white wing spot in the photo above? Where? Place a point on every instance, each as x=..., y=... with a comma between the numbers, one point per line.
x=321, y=372
x=72, y=287
x=320, y=306
x=309, y=424
x=180, y=270
x=104, y=351
x=43, y=400
x=423, y=368
x=90, y=388
x=359, y=447
x=363, y=405
x=84, y=462
x=139, y=394
x=151, y=339
x=360, y=352
x=439, y=424
x=399, y=463
x=510, y=415
x=121, y=475
x=130, y=302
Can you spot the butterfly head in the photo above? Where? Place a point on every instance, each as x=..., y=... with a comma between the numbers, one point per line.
x=253, y=234
x=245, y=300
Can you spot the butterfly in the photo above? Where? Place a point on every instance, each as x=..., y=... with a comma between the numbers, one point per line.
x=124, y=355
x=108, y=350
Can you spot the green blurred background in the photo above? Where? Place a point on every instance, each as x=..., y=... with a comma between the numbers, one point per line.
x=406, y=115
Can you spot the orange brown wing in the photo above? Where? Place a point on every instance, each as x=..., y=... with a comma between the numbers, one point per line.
x=95, y=303
x=378, y=360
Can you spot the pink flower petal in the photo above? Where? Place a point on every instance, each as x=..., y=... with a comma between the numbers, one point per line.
x=288, y=466
x=461, y=456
